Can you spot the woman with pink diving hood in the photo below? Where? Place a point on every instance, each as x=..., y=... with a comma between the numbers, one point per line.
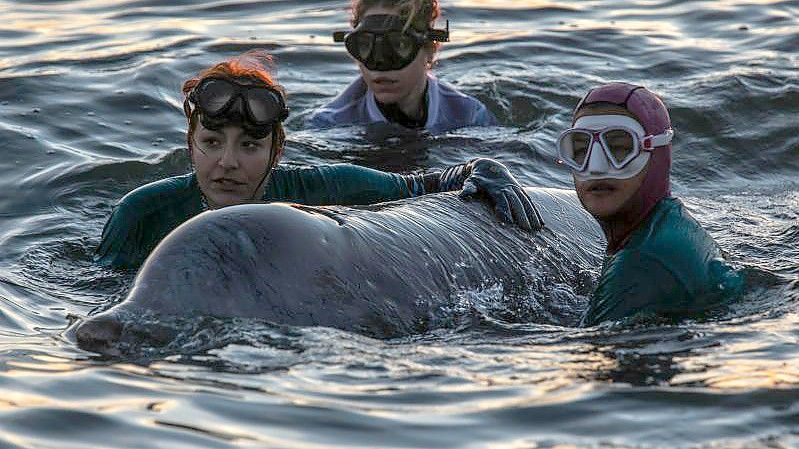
x=659, y=260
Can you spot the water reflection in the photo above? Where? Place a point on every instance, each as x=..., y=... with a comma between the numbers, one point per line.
x=110, y=121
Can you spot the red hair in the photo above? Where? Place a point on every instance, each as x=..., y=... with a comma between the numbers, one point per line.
x=252, y=65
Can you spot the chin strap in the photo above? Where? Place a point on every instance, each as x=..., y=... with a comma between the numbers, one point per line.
x=260, y=184
x=270, y=167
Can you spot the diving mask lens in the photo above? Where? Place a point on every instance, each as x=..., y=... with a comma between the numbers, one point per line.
x=221, y=101
x=265, y=105
x=403, y=45
x=620, y=146
x=574, y=146
x=384, y=42
x=360, y=45
x=214, y=96
x=382, y=52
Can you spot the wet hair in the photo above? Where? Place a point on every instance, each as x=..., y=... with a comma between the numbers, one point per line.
x=252, y=66
x=419, y=14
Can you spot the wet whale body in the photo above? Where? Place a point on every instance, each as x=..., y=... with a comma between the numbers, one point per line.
x=376, y=270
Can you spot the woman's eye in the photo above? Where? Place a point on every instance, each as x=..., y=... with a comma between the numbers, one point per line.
x=250, y=145
x=212, y=142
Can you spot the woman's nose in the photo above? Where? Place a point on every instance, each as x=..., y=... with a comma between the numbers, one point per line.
x=229, y=159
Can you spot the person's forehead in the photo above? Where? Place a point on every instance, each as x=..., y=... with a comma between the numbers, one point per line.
x=230, y=130
x=381, y=9
x=601, y=121
x=226, y=129
x=382, y=19
x=603, y=109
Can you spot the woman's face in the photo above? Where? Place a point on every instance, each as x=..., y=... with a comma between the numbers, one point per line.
x=604, y=198
x=603, y=190
x=231, y=166
x=393, y=86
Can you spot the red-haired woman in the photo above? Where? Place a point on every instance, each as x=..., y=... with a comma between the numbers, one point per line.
x=235, y=138
x=394, y=44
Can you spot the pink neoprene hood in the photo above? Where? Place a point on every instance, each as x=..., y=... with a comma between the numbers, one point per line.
x=650, y=111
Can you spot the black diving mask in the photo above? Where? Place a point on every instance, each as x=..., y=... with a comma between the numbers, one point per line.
x=383, y=42
x=258, y=108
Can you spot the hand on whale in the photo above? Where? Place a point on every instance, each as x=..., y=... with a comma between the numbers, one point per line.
x=377, y=270
x=510, y=200
x=492, y=179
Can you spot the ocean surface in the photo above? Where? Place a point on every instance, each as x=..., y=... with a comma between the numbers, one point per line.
x=90, y=108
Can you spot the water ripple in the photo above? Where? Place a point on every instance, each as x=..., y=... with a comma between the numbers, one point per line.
x=90, y=108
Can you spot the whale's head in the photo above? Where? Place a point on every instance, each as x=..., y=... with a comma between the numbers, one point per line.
x=99, y=334
x=119, y=332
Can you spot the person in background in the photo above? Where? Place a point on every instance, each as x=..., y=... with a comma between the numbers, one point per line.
x=394, y=44
x=235, y=139
x=659, y=261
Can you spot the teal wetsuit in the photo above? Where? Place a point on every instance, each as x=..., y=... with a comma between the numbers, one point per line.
x=146, y=215
x=670, y=267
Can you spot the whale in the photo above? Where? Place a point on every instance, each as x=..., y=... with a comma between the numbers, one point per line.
x=378, y=270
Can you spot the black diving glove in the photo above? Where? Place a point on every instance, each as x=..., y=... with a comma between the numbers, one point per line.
x=487, y=177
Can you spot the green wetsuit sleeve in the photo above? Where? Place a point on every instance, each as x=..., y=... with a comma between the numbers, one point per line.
x=347, y=184
x=343, y=184
x=122, y=244
x=638, y=284
x=143, y=217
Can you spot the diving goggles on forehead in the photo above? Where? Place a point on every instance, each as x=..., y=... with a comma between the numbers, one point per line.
x=620, y=144
x=384, y=42
x=220, y=101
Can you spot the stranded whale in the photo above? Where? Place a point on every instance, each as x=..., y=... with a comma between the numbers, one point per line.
x=377, y=270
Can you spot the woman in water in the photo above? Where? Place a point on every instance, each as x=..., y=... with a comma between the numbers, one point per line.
x=394, y=44
x=660, y=261
x=235, y=139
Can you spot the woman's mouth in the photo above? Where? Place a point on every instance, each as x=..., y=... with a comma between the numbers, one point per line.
x=227, y=183
x=600, y=188
x=383, y=80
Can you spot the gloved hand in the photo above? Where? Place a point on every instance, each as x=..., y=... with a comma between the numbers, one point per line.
x=492, y=179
